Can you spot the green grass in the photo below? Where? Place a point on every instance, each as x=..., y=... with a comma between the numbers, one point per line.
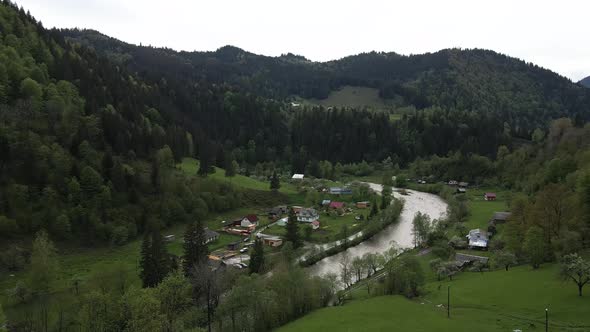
x=191, y=166
x=490, y=301
x=352, y=96
x=482, y=210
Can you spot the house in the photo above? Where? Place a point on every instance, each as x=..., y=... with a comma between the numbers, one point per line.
x=210, y=236
x=363, y=205
x=315, y=224
x=461, y=190
x=169, y=238
x=463, y=184
x=452, y=183
x=489, y=196
x=270, y=240
x=497, y=218
x=277, y=211
x=248, y=221
x=465, y=259
x=307, y=215
x=297, y=176
x=234, y=246
x=336, y=205
x=500, y=217
x=326, y=202
x=477, y=239
x=296, y=208
x=340, y=191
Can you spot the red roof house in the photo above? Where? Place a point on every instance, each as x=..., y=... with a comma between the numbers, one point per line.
x=489, y=196
x=252, y=218
x=336, y=205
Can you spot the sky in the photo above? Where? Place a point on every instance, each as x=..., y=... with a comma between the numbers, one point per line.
x=552, y=34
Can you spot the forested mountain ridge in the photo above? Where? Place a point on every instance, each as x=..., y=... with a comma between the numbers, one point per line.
x=522, y=94
x=585, y=82
x=87, y=149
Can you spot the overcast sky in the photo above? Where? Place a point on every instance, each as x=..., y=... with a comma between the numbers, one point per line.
x=552, y=34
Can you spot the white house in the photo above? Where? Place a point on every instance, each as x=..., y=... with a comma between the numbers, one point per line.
x=297, y=176
x=478, y=239
x=307, y=215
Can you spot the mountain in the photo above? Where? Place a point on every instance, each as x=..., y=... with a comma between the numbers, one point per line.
x=523, y=94
x=585, y=82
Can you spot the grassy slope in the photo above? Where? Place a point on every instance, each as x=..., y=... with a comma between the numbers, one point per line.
x=492, y=301
x=353, y=96
x=482, y=210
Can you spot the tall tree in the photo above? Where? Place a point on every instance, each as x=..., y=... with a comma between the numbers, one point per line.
x=154, y=263
x=257, y=257
x=275, y=183
x=534, y=246
x=44, y=264
x=195, y=248
x=292, y=227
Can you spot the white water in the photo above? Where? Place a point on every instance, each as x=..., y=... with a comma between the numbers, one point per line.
x=399, y=233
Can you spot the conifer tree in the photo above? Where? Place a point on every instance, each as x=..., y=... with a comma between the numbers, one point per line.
x=275, y=183
x=293, y=230
x=257, y=257
x=154, y=262
x=195, y=248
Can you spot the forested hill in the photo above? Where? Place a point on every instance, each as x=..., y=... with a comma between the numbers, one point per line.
x=585, y=82
x=475, y=80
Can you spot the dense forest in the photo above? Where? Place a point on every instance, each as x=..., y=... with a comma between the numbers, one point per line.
x=480, y=81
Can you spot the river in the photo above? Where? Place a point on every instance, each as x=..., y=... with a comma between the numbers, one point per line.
x=399, y=233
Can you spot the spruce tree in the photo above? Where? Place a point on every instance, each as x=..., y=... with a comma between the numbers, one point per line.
x=195, y=248
x=154, y=262
x=275, y=183
x=293, y=230
x=257, y=257
x=145, y=263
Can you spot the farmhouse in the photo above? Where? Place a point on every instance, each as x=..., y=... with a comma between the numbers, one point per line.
x=461, y=190
x=363, y=205
x=477, y=239
x=463, y=184
x=210, y=236
x=326, y=202
x=465, y=259
x=489, y=196
x=297, y=176
x=270, y=240
x=497, y=218
x=452, y=183
x=307, y=215
x=277, y=211
x=169, y=238
x=336, y=205
x=340, y=191
x=248, y=221
x=500, y=217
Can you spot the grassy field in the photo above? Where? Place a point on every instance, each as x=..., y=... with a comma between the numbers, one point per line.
x=490, y=301
x=191, y=166
x=353, y=96
x=482, y=210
